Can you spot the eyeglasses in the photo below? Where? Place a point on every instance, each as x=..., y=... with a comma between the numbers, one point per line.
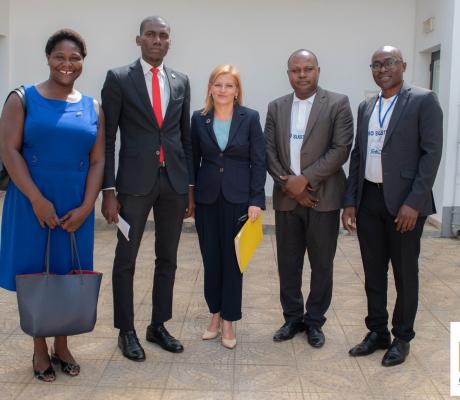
x=390, y=63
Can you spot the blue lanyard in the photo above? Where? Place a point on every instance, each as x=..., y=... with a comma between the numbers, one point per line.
x=382, y=121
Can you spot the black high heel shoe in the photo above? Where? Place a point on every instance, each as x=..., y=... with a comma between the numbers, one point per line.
x=48, y=375
x=69, y=369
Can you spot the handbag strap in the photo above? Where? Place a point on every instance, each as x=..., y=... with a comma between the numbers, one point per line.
x=47, y=253
x=21, y=92
x=73, y=252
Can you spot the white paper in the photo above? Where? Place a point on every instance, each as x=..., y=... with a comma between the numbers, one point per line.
x=124, y=227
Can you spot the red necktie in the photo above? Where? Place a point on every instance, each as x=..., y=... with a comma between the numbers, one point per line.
x=156, y=103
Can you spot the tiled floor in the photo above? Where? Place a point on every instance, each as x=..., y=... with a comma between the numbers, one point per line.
x=258, y=368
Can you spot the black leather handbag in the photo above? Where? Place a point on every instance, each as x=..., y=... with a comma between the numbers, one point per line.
x=4, y=177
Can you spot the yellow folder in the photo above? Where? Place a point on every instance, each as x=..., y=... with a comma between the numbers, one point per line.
x=247, y=240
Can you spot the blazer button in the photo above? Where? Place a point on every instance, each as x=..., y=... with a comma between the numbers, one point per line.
x=157, y=152
x=221, y=170
x=221, y=154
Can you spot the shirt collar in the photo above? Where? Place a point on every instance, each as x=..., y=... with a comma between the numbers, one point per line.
x=146, y=67
x=309, y=100
x=389, y=98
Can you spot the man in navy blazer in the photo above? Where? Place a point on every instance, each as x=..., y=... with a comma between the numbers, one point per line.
x=393, y=166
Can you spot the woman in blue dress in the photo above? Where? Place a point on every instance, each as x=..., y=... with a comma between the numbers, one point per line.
x=54, y=153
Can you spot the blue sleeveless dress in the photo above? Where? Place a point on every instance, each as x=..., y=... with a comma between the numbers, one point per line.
x=58, y=137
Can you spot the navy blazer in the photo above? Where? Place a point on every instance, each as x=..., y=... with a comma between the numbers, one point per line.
x=239, y=170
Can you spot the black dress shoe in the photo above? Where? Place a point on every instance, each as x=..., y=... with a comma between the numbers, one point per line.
x=162, y=337
x=315, y=336
x=130, y=346
x=372, y=342
x=396, y=354
x=288, y=331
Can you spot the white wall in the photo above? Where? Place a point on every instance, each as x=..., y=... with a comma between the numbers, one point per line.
x=258, y=36
x=4, y=49
x=446, y=37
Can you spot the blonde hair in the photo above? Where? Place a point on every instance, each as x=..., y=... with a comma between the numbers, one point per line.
x=218, y=71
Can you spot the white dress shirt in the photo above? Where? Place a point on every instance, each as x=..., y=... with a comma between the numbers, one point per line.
x=300, y=113
x=164, y=85
x=376, y=137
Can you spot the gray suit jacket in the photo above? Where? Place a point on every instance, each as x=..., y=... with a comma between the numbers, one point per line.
x=326, y=146
x=410, y=155
x=127, y=106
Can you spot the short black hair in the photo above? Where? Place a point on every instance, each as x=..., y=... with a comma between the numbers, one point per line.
x=302, y=51
x=153, y=18
x=65, y=34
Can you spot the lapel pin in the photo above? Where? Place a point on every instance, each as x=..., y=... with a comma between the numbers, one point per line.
x=79, y=114
x=208, y=121
x=173, y=76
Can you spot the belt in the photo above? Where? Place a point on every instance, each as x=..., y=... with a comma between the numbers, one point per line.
x=379, y=185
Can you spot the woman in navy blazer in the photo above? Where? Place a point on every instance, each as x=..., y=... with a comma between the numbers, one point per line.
x=229, y=159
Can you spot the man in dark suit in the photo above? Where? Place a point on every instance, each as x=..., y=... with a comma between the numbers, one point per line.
x=309, y=135
x=388, y=198
x=150, y=104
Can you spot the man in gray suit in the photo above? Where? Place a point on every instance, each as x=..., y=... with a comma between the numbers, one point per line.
x=150, y=104
x=393, y=166
x=309, y=135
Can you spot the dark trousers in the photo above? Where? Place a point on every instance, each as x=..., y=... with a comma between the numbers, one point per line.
x=296, y=231
x=379, y=243
x=168, y=212
x=217, y=225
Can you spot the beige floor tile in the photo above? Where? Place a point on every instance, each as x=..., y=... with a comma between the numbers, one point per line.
x=104, y=329
x=201, y=376
x=340, y=396
x=446, y=317
x=92, y=348
x=399, y=380
x=324, y=377
x=261, y=301
x=265, y=353
x=306, y=355
x=254, y=378
x=350, y=302
x=16, y=369
x=9, y=324
x=111, y=393
x=441, y=381
x=255, y=333
x=268, y=396
x=125, y=373
x=267, y=316
x=193, y=330
x=10, y=391
x=55, y=391
x=350, y=317
x=196, y=395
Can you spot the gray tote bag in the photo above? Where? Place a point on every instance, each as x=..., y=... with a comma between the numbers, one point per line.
x=58, y=305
